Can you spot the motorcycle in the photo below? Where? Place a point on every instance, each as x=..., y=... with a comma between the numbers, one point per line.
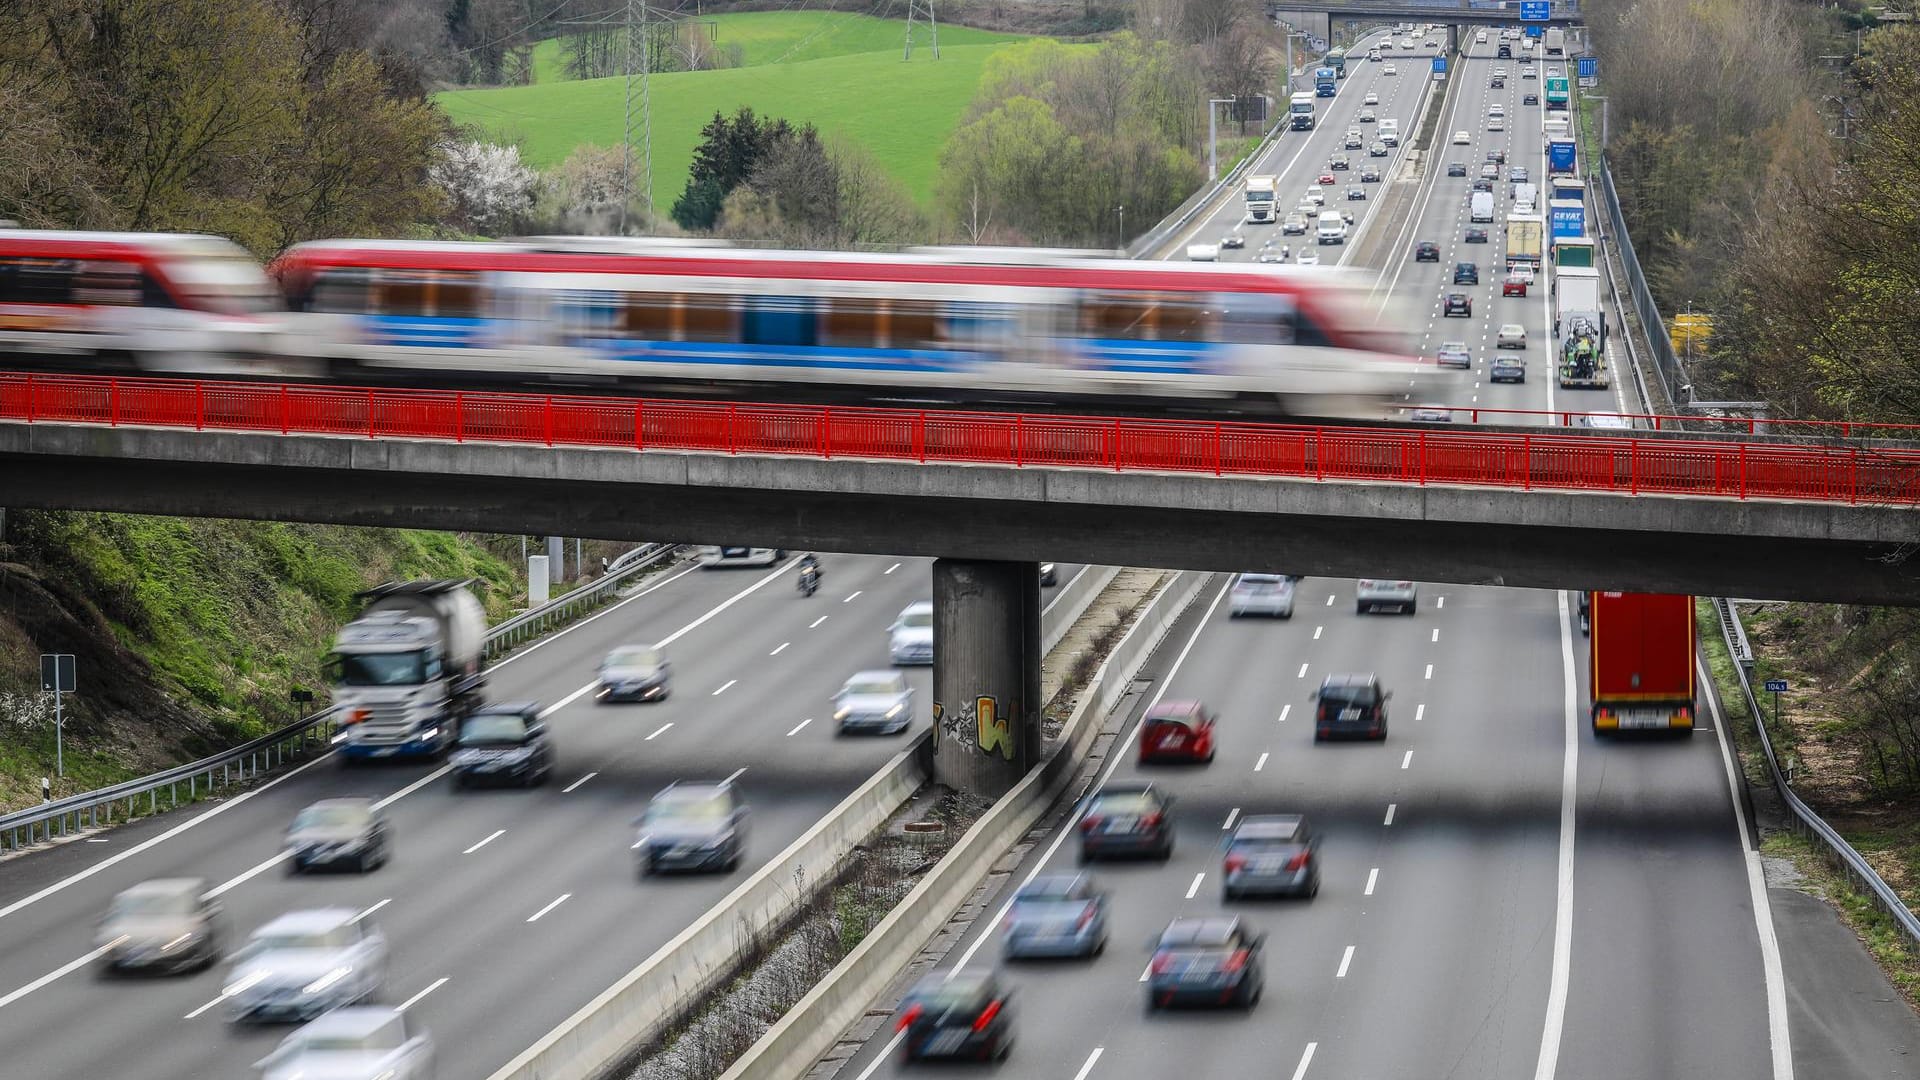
x=809, y=581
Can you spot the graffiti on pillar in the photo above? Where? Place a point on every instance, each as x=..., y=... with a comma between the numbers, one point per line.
x=982, y=723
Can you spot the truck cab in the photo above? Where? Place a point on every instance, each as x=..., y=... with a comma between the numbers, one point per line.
x=406, y=670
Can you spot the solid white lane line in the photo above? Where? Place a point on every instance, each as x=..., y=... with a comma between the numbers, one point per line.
x=568, y=700
x=1088, y=1067
x=1778, y=1033
x=1231, y=815
x=569, y=788
x=1193, y=890
x=661, y=730
x=1316, y=632
x=735, y=775
x=1391, y=807
x=1303, y=672
x=1407, y=760
x=1373, y=877
x=557, y=901
x=1284, y=710
x=885, y=1055
x=1429, y=671
x=851, y=595
x=1346, y=958
x=1146, y=971
x=247, y=875
x=1262, y=763
x=374, y=908
x=491, y=837
x=798, y=726
x=891, y=569
x=65, y=969
x=570, y=628
x=1306, y=1059
x=782, y=647
x=415, y=999
x=816, y=623
x=1556, y=1018
x=1419, y=712
x=724, y=605
x=724, y=687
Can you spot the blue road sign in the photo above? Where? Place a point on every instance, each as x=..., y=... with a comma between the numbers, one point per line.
x=1536, y=31
x=1777, y=686
x=1439, y=65
x=1589, y=67
x=1535, y=10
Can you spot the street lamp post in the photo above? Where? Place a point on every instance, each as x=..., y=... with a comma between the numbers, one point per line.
x=1213, y=145
x=1122, y=211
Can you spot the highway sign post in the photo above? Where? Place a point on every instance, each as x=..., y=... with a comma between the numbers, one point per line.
x=1535, y=10
x=57, y=677
x=1439, y=65
x=1776, y=687
x=1589, y=71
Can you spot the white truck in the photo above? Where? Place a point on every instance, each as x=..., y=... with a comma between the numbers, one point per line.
x=1579, y=328
x=1203, y=252
x=1300, y=110
x=1263, y=201
x=407, y=668
x=1332, y=228
x=1389, y=131
x=1555, y=42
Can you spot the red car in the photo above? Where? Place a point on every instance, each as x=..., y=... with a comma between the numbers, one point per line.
x=1177, y=731
x=1325, y=178
x=1515, y=285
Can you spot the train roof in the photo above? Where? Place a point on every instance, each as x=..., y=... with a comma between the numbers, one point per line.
x=17, y=240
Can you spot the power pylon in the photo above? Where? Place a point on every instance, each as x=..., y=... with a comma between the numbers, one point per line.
x=923, y=10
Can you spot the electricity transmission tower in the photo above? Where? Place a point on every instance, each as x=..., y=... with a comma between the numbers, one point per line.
x=643, y=30
x=922, y=10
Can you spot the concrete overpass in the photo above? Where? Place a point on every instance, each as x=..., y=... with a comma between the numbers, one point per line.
x=1457, y=13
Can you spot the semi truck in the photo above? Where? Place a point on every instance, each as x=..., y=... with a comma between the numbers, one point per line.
x=407, y=668
x=1262, y=199
x=1570, y=251
x=1326, y=82
x=1525, y=235
x=1567, y=217
x=1641, y=671
x=1300, y=107
x=1554, y=42
x=1557, y=92
x=1561, y=156
x=1579, y=328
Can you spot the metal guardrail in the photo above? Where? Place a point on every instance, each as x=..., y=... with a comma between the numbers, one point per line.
x=1806, y=821
x=91, y=809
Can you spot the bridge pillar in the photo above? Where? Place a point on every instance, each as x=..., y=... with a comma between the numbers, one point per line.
x=986, y=673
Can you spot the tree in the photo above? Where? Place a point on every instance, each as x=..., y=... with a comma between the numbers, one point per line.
x=589, y=189
x=729, y=150
x=1022, y=162
x=873, y=208
x=488, y=189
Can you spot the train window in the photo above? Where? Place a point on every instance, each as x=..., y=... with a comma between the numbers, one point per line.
x=1308, y=331
x=1183, y=319
x=457, y=296
x=706, y=317
x=27, y=280
x=780, y=320
x=1117, y=317
x=1256, y=319
x=649, y=316
x=853, y=322
x=403, y=292
x=916, y=324
x=340, y=290
x=114, y=284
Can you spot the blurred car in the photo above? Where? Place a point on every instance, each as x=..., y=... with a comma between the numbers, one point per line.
x=910, y=638
x=1456, y=168
x=1177, y=731
x=876, y=701
x=1309, y=257
x=1261, y=594
x=1377, y=148
x=1271, y=855
x=1056, y=915
x=1353, y=141
x=1430, y=414
x=1127, y=819
x=1511, y=336
x=1489, y=171
x=163, y=926
x=697, y=825
x=360, y=1042
x=1498, y=157
x=1466, y=273
x=1527, y=72
x=1528, y=99
x=1454, y=354
x=1231, y=242
x=305, y=963
x=1370, y=175
x=1609, y=420
x=1355, y=192
x=503, y=743
x=1315, y=195
x=1483, y=184
x=1458, y=305
x=1294, y=224
x=958, y=1014
x=1507, y=367
x=1338, y=162
x=1517, y=174
x=338, y=832
x=1426, y=251
x=635, y=673
x=1515, y=284
x=1476, y=236
x=1367, y=116
x=1206, y=960
x=1498, y=82
x=1371, y=98
x=1326, y=178
x=1371, y=594
x=1373, y=54
x=1272, y=255
x=1389, y=69
x=1461, y=138
x=1350, y=706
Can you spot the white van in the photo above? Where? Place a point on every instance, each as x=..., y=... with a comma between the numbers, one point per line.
x=714, y=556
x=1389, y=131
x=1481, y=206
x=1524, y=193
x=1202, y=252
x=1332, y=228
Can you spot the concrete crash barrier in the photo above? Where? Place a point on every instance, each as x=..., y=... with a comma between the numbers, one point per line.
x=811, y=1028
x=1072, y=602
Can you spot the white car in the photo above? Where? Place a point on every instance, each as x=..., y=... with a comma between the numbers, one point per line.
x=879, y=701
x=1610, y=420
x=1372, y=594
x=910, y=638
x=1371, y=99
x=1512, y=336
x=1454, y=354
x=1315, y=195
x=1461, y=138
x=361, y=1042
x=1527, y=73
x=1261, y=594
x=1308, y=257
x=305, y=963
x=1389, y=69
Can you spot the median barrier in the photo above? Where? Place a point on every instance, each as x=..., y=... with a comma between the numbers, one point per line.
x=1072, y=601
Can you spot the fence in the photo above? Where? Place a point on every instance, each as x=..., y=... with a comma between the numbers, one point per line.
x=91, y=809
x=1666, y=365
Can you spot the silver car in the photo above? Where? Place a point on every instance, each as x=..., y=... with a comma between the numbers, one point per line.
x=1056, y=915
x=339, y=833
x=910, y=638
x=361, y=1042
x=162, y=926
x=1261, y=594
x=877, y=701
x=635, y=673
x=1372, y=594
x=1271, y=854
x=306, y=963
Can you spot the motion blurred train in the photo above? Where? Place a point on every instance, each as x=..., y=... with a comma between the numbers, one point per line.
x=950, y=326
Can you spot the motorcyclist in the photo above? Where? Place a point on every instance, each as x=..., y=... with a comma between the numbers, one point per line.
x=809, y=572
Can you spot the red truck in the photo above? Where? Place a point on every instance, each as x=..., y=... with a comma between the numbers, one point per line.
x=1640, y=675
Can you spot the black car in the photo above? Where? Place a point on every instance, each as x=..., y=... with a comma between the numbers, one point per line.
x=1350, y=706
x=1339, y=161
x=1499, y=84
x=956, y=1015
x=1456, y=168
x=1458, y=304
x=1476, y=236
x=1504, y=52
x=1466, y=273
x=693, y=826
x=1369, y=175
x=1271, y=855
x=347, y=833
x=1426, y=251
x=503, y=744
x=1498, y=157
x=1127, y=819
x=1206, y=960
x=1530, y=99
x=1483, y=184
x=1355, y=191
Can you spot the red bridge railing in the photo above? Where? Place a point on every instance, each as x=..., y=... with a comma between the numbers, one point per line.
x=1557, y=459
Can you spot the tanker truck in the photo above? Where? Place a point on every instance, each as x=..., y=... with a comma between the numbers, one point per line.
x=407, y=668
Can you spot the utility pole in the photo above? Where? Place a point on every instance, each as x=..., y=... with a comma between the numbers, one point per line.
x=922, y=9
x=1213, y=146
x=640, y=101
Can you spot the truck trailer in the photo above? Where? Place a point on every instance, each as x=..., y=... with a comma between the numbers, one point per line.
x=1524, y=240
x=1641, y=662
x=1300, y=109
x=407, y=668
x=1580, y=329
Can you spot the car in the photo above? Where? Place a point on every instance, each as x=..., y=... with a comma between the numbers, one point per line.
x=1476, y=236
x=1461, y=138
x=1350, y=706
x=1295, y=224
x=1489, y=171
x=1177, y=731
x=635, y=673
x=1611, y=421
x=1526, y=59
x=1261, y=594
x=692, y=825
x=1377, y=148
x=1454, y=354
x=1431, y=44
x=1389, y=69
x=1372, y=98
x=876, y=701
x=1368, y=116
x=1374, y=55
x=360, y=1041
x=1355, y=192
x=1308, y=257
x=1407, y=44
x=1055, y=915
x=1466, y=273
x=1483, y=184
x=1512, y=336
x=1498, y=157
x=1518, y=174
x=956, y=1015
x=1507, y=367
x=1458, y=305
x=1232, y=241
x=306, y=963
x=1271, y=855
x=1528, y=98
x=1372, y=594
x=1430, y=414
x=1527, y=72
x=1499, y=73
x=1315, y=195
x=503, y=743
x=344, y=832
x=1338, y=161
x=910, y=638
x=1456, y=168
x=1515, y=284
x=165, y=926
x=1370, y=175
x=1271, y=255
x=1130, y=818
x=1353, y=141
x=1498, y=82
x=1426, y=251
x=1206, y=960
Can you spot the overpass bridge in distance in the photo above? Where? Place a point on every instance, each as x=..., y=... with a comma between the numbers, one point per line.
x=1560, y=13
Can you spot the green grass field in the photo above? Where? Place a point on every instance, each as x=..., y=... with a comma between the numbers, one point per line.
x=902, y=112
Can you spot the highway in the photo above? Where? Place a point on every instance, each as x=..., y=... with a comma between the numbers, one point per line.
x=505, y=910
x=1461, y=929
